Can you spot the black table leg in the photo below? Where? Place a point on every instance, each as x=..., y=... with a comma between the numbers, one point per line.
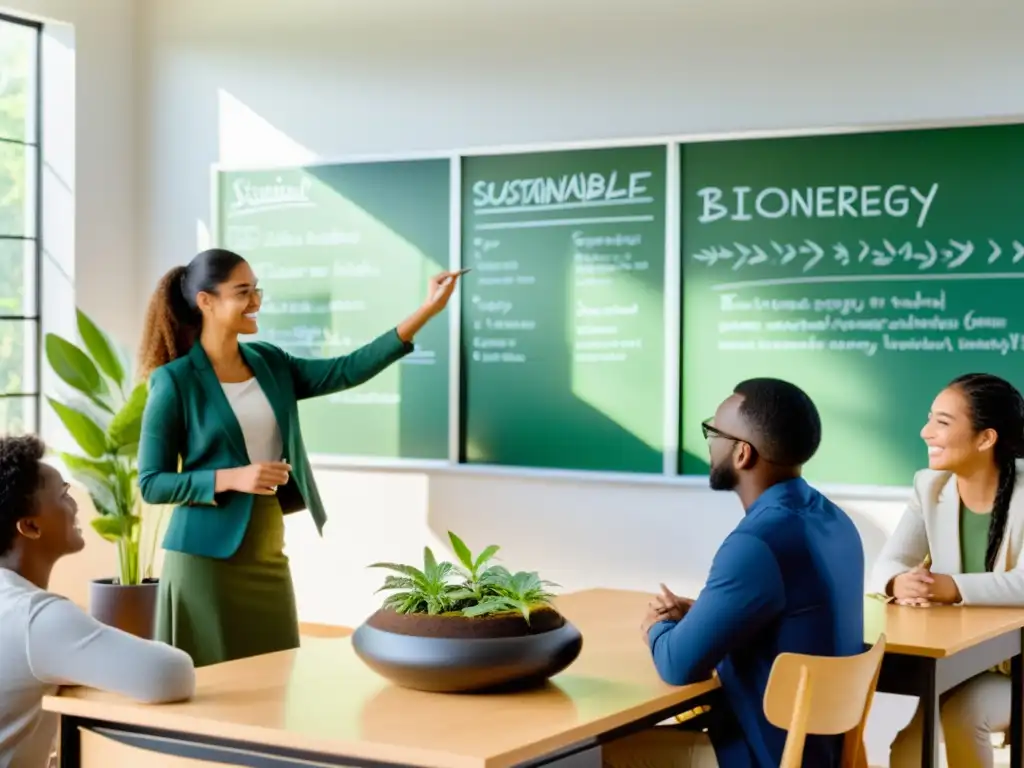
x=1016, y=710
x=70, y=743
x=929, y=719
x=928, y=679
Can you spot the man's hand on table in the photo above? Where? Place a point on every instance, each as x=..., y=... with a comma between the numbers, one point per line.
x=665, y=606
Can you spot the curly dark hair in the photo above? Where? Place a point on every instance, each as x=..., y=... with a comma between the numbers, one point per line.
x=20, y=478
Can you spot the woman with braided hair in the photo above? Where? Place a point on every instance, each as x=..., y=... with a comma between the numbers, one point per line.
x=959, y=542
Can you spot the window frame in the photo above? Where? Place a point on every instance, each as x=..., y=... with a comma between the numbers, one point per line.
x=35, y=144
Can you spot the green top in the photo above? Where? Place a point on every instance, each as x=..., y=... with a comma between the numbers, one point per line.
x=973, y=540
x=189, y=431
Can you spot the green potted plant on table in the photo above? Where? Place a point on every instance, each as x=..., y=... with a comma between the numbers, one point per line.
x=103, y=415
x=466, y=627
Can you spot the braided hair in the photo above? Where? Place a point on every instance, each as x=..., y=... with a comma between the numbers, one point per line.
x=996, y=404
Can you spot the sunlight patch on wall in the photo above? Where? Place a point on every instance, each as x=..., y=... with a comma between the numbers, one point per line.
x=336, y=270
x=850, y=402
x=370, y=285
x=615, y=387
x=204, y=238
x=475, y=451
x=246, y=138
x=848, y=398
x=376, y=516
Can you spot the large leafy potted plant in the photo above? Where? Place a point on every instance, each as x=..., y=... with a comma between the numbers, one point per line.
x=466, y=627
x=103, y=415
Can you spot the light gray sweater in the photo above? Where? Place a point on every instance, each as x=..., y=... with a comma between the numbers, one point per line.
x=46, y=641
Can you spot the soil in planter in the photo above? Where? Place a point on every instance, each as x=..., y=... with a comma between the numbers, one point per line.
x=456, y=625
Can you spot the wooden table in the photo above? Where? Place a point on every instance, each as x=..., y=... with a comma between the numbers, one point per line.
x=931, y=650
x=322, y=705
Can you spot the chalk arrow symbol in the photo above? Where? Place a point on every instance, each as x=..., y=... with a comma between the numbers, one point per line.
x=759, y=256
x=812, y=247
x=842, y=253
x=744, y=255
x=996, y=250
x=966, y=249
x=788, y=252
x=712, y=255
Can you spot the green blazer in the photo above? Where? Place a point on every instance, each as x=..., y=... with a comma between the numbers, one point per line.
x=189, y=431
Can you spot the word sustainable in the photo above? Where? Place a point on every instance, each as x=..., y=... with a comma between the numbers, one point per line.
x=745, y=204
x=568, y=189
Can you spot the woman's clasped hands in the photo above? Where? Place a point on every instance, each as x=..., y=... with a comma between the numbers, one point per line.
x=920, y=587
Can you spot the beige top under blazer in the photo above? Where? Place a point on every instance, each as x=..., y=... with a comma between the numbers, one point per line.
x=931, y=526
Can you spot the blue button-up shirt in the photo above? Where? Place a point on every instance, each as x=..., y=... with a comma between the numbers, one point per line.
x=789, y=578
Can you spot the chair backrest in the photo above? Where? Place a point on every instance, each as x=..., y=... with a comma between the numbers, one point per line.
x=823, y=695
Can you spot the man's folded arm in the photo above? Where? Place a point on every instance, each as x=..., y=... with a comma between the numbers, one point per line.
x=744, y=592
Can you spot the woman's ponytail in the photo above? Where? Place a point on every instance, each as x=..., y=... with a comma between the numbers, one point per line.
x=171, y=326
x=1007, y=463
x=173, y=320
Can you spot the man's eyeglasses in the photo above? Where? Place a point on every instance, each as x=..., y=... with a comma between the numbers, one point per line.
x=711, y=431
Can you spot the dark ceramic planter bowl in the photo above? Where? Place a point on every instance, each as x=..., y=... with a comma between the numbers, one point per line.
x=455, y=654
x=131, y=609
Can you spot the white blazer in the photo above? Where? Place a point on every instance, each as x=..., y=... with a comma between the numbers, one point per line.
x=931, y=526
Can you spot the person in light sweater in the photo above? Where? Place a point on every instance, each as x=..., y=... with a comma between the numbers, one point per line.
x=45, y=640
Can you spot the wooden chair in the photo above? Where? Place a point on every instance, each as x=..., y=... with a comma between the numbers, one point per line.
x=823, y=696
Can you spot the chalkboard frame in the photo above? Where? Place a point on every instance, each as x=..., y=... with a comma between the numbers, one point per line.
x=673, y=268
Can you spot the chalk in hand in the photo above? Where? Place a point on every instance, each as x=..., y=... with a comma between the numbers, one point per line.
x=447, y=281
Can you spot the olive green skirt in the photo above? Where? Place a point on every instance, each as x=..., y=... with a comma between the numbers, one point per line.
x=220, y=610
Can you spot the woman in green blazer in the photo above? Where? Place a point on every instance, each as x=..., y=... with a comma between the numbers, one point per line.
x=221, y=441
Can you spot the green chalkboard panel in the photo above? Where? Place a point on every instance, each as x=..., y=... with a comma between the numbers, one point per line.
x=869, y=269
x=344, y=253
x=563, y=314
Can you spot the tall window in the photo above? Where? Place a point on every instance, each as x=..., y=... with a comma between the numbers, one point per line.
x=20, y=357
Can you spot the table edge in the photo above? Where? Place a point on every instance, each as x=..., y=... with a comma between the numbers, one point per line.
x=944, y=652
x=175, y=718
